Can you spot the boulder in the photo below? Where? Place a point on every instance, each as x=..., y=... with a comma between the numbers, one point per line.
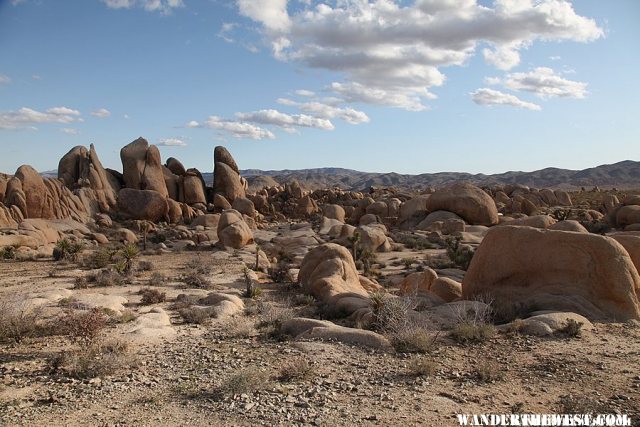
x=563, y=198
x=536, y=221
x=334, y=212
x=194, y=191
x=143, y=204
x=587, y=274
x=306, y=207
x=628, y=215
x=436, y=216
x=329, y=273
x=244, y=206
x=233, y=232
x=175, y=166
x=466, y=200
x=568, y=225
x=220, y=202
x=446, y=288
x=631, y=243
x=373, y=238
x=419, y=282
x=413, y=208
x=208, y=220
x=227, y=182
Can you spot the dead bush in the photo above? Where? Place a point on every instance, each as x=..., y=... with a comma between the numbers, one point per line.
x=19, y=319
x=145, y=265
x=196, y=280
x=83, y=326
x=414, y=339
x=298, y=369
x=473, y=322
x=421, y=367
x=470, y=333
x=94, y=360
x=157, y=279
x=244, y=381
x=489, y=371
x=194, y=315
x=571, y=329
x=108, y=277
x=8, y=253
x=152, y=296
x=99, y=259
x=240, y=327
x=80, y=282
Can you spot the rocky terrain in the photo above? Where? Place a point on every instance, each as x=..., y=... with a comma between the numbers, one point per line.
x=158, y=296
x=623, y=175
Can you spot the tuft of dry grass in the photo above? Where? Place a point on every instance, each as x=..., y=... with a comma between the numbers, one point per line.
x=19, y=319
x=193, y=315
x=244, y=381
x=421, y=367
x=489, y=371
x=152, y=296
x=240, y=327
x=470, y=333
x=297, y=369
x=95, y=360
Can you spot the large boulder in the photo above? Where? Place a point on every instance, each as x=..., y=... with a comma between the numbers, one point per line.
x=146, y=205
x=233, y=232
x=466, y=200
x=142, y=167
x=329, y=273
x=334, y=212
x=226, y=175
x=194, y=191
x=628, y=215
x=555, y=270
x=373, y=238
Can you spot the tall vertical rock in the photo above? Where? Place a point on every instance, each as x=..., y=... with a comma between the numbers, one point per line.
x=142, y=167
x=226, y=176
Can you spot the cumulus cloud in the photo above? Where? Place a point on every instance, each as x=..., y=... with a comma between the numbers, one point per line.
x=70, y=131
x=101, y=113
x=237, y=129
x=26, y=117
x=391, y=52
x=544, y=83
x=285, y=121
x=486, y=96
x=172, y=142
x=328, y=111
x=163, y=6
x=4, y=79
x=304, y=92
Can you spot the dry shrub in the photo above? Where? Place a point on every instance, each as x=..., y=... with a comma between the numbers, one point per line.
x=99, y=259
x=80, y=282
x=571, y=328
x=157, y=279
x=396, y=319
x=271, y=315
x=145, y=266
x=421, y=367
x=196, y=280
x=244, y=381
x=108, y=277
x=297, y=369
x=489, y=371
x=473, y=322
x=8, y=253
x=127, y=316
x=94, y=360
x=240, y=328
x=19, y=319
x=152, y=296
x=84, y=326
x=194, y=315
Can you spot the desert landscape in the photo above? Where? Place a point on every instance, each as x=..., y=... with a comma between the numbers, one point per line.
x=154, y=297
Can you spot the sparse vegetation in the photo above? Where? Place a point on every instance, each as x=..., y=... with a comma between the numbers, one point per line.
x=280, y=273
x=94, y=360
x=157, y=279
x=194, y=315
x=145, y=266
x=489, y=371
x=460, y=254
x=8, y=253
x=67, y=250
x=297, y=369
x=18, y=320
x=152, y=296
x=473, y=323
x=195, y=279
x=244, y=381
x=83, y=326
x=421, y=367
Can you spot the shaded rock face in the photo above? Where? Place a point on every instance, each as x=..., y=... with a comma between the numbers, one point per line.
x=81, y=168
x=142, y=167
x=146, y=205
x=467, y=201
x=226, y=176
x=555, y=270
x=329, y=273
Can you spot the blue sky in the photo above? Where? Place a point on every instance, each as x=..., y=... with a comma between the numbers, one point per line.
x=410, y=86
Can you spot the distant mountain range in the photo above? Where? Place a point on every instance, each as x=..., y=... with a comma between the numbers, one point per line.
x=622, y=175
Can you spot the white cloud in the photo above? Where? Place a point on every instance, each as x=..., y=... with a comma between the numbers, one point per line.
x=270, y=13
x=101, y=113
x=225, y=31
x=545, y=83
x=485, y=96
x=125, y=116
x=172, y=142
x=304, y=92
x=4, y=79
x=163, y=6
x=286, y=121
x=327, y=111
x=391, y=52
x=70, y=131
x=237, y=129
x=25, y=118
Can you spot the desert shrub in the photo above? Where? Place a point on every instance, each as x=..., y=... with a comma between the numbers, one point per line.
x=99, y=259
x=303, y=299
x=108, y=277
x=127, y=316
x=196, y=280
x=244, y=381
x=408, y=262
x=571, y=328
x=569, y=404
x=240, y=327
x=152, y=296
x=93, y=360
x=8, y=252
x=84, y=326
x=251, y=291
x=271, y=316
x=488, y=371
x=412, y=241
x=561, y=214
x=80, y=282
x=193, y=315
x=145, y=265
x=280, y=273
x=368, y=258
x=127, y=256
x=157, y=279
x=473, y=323
x=414, y=339
x=65, y=249
x=198, y=265
x=18, y=320
x=158, y=238
x=298, y=369
x=421, y=367
x=461, y=255
x=184, y=301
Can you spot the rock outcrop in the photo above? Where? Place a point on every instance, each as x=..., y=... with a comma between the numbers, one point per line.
x=467, y=201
